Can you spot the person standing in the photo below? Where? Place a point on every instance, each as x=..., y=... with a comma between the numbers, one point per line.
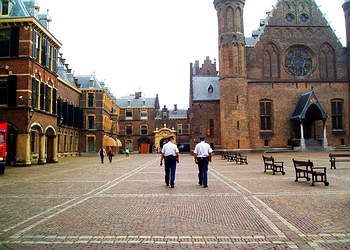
x=170, y=154
x=102, y=153
x=110, y=154
x=127, y=152
x=202, y=156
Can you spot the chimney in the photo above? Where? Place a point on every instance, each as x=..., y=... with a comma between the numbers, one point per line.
x=175, y=107
x=138, y=95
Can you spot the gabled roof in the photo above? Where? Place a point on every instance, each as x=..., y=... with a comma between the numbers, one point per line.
x=206, y=88
x=89, y=82
x=18, y=9
x=305, y=101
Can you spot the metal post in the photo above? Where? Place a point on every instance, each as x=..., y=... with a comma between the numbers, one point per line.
x=302, y=139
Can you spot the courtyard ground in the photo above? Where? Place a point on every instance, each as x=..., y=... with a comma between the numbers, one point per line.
x=80, y=203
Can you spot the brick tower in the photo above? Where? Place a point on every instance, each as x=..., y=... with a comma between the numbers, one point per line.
x=233, y=77
x=346, y=7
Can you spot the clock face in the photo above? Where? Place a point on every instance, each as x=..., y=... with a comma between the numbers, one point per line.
x=298, y=61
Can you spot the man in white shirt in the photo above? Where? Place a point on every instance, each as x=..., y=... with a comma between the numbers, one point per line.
x=170, y=153
x=202, y=156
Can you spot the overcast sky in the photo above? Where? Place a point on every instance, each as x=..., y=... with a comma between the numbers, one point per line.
x=147, y=45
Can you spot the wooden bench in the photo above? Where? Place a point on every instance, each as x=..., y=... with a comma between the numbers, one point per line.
x=333, y=158
x=271, y=164
x=241, y=159
x=305, y=168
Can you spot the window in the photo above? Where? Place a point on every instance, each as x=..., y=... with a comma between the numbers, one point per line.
x=129, y=130
x=211, y=127
x=91, y=121
x=5, y=6
x=3, y=91
x=179, y=129
x=143, y=130
x=47, y=98
x=43, y=51
x=65, y=144
x=58, y=143
x=9, y=40
x=2, y=136
x=337, y=114
x=5, y=40
x=91, y=97
x=128, y=115
x=298, y=61
x=165, y=115
x=36, y=45
x=265, y=115
x=144, y=115
x=42, y=96
x=35, y=93
x=48, y=56
x=54, y=62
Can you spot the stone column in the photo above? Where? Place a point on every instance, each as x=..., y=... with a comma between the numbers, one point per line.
x=325, y=141
x=42, y=156
x=54, y=150
x=302, y=139
x=23, y=154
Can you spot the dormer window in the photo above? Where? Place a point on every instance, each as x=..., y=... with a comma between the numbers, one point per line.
x=5, y=7
x=129, y=103
x=210, y=89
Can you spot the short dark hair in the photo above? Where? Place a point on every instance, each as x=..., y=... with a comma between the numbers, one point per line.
x=202, y=138
x=171, y=138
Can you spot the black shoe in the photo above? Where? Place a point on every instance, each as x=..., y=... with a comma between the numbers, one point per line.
x=172, y=186
x=200, y=183
x=167, y=184
x=205, y=186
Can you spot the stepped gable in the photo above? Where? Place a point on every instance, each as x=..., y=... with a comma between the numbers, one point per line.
x=298, y=23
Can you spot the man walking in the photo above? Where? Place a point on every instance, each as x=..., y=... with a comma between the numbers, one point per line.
x=202, y=156
x=170, y=154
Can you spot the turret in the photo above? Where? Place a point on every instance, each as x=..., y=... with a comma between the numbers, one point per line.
x=233, y=80
x=346, y=8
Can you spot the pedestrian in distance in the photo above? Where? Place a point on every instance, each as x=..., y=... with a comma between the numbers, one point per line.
x=127, y=152
x=202, y=156
x=110, y=154
x=170, y=154
x=102, y=153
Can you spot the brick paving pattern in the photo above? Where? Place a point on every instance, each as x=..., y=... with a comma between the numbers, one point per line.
x=80, y=203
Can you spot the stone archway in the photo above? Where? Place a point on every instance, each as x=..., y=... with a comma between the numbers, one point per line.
x=162, y=134
x=36, y=141
x=51, y=145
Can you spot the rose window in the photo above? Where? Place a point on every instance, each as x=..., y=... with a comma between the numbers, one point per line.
x=298, y=61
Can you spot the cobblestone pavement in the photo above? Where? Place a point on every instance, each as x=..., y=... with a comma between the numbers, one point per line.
x=80, y=203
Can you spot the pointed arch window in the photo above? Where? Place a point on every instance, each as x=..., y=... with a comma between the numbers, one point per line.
x=271, y=62
x=327, y=62
x=229, y=19
x=238, y=17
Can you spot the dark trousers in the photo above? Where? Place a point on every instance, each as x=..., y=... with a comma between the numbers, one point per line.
x=102, y=158
x=110, y=158
x=203, y=170
x=170, y=169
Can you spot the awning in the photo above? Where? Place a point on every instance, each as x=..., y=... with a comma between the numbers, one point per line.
x=109, y=141
x=119, y=143
x=306, y=101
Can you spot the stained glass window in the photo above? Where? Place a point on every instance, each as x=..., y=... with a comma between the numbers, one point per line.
x=290, y=17
x=304, y=18
x=298, y=61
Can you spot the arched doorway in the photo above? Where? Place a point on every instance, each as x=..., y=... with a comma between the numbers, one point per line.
x=37, y=150
x=144, y=145
x=161, y=135
x=51, y=145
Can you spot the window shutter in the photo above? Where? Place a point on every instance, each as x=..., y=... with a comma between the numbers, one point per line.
x=12, y=91
x=34, y=93
x=81, y=118
x=70, y=115
x=59, y=110
x=54, y=98
x=65, y=112
x=14, y=41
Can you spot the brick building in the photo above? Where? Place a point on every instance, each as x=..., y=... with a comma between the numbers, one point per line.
x=143, y=126
x=39, y=96
x=286, y=85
